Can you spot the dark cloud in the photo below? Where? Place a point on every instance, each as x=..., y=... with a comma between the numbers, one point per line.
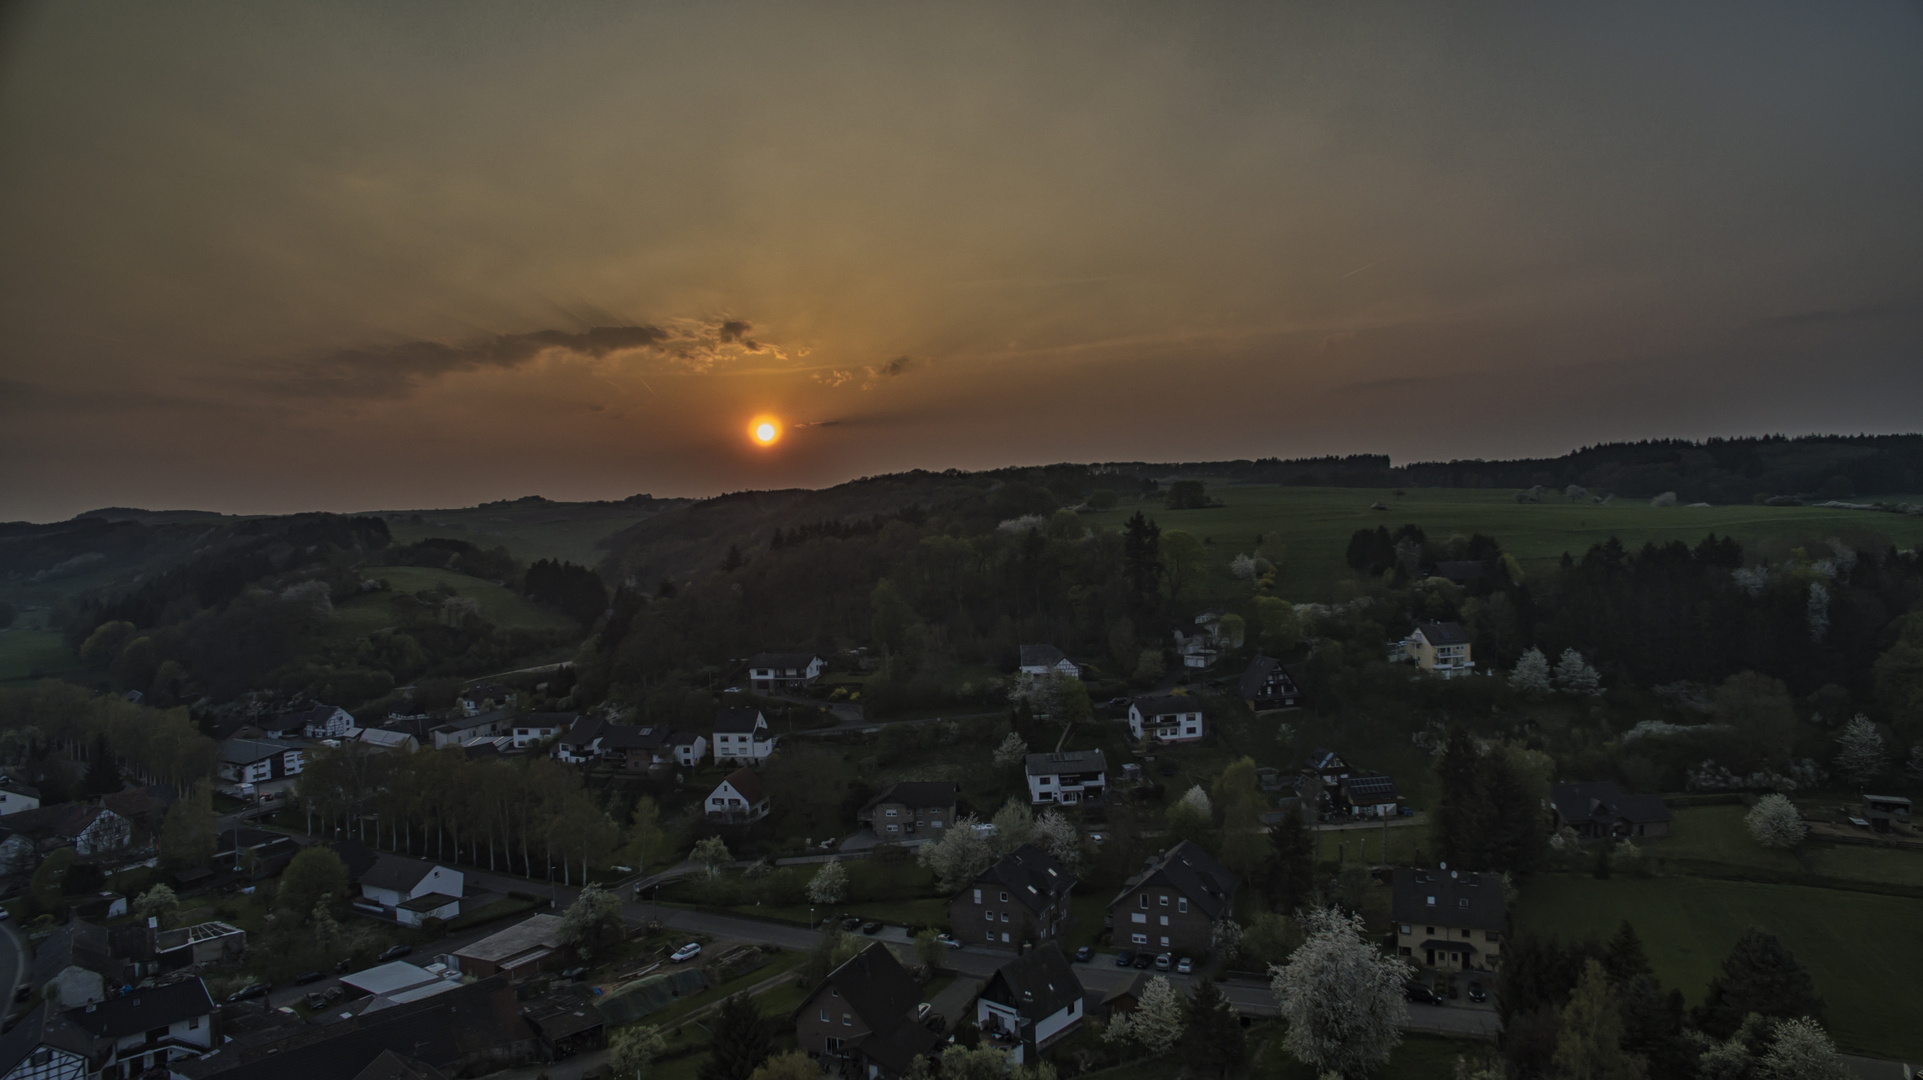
x=1829, y=316
x=736, y=330
x=899, y=365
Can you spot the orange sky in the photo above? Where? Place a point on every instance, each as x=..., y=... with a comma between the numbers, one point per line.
x=268, y=258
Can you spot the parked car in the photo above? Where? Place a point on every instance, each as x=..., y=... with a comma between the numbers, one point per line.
x=321, y=999
x=686, y=952
x=1143, y=960
x=575, y=972
x=922, y=1011
x=1125, y=958
x=871, y=927
x=1185, y=966
x=248, y=993
x=1084, y=954
x=307, y=977
x=396, y=953
x=1477, y=993
x=5, y=914
x=1420, y=994
x=341, y=966
x=850, y=923
x=950, y=940
x=1164, y=962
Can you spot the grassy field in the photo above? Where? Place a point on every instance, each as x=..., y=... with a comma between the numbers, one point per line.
x=1863, y=950
x=1315, y=524
x=1712, y=841
x=569, y=534
x=1420, y=1057
x=33, y=654
x=505, y=608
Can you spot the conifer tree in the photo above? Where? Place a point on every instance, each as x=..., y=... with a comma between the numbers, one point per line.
x=740, y=1043
x=1589, y=1046
x=1760, y=976
x=1211, y=1032
x=1291, y=871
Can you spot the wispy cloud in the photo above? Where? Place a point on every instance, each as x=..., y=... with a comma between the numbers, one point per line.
x=869, y=376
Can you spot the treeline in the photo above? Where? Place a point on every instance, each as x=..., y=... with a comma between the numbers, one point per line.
x=61, y=738
x=574, y=591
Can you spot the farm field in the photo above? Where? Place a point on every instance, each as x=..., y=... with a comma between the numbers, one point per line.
x=369, y=612
x=1315, y=524
x=31, y=654
x=1862, y=949
x=567, y=533
x=1712, y=841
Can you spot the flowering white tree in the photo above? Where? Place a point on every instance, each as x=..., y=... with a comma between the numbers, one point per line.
x=960, y=854
x=632, y=1050
x=712, y=854
x=1800, y=1049
x=1243, y=566
x=1342, y=996
x=1060, y=838
x=1532, y=674
x=1860, y=757
x=1014, y=826
x=1012, y=752
x=1774, y=822
x=829, y=885
x=1225, y=937
x=1575, y=676
x=1198, y=800
x=1156, y=1023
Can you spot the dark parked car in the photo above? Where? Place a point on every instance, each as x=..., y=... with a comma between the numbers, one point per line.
x=321, y=999
x=396, y=953
x=1124, y=958
x=1084, y=954
x=1420, y=994
x=306, y=977
x=1143, y=960
x=1477, y=993
x=248, y=992
x=341, y=967
x=850, y=923
x=871, y=927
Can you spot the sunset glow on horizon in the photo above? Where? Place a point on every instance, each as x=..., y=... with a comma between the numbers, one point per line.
x=765, y=430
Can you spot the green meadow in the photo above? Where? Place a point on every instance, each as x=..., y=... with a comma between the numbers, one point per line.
x=1315, y=525
x=501, y=606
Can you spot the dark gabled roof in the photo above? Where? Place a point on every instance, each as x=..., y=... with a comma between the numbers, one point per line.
x=481, y=719
x=916, y=794
x=1153, y=707
x=1444, y=633
x=748, y=784
x=319, y=714
x=783, y=660
x=358, y=857
x=1037, y=984
x=562, y=720
x=897, y=1050
x=634, y=737
x=876, y=987
x=248, y=751
x=442, y=1031
x=738, y=720
x=1321, y=759
x=1369, y=789
x=583, y=731
x=1257, y=675
x=1194, y=873
x=1041, y=656
x=1030, y=875
x=393, y=1066
x=7, y=783
x=1463, y=899
x=47, y=1026
x=400, y=875
x=144, y=1010
x=1072, y=761
x=64, y=820
x=79, y=943
x=1603, y=802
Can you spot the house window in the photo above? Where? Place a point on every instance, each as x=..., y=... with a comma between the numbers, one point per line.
x=1164, y=941
x=1462, y=903
x=1406, y=929
x=41, y=1057
x=193, y=1023
x=847, y=1020
x=1430, y=930
x=894, y=828
x=824, y=1016
x=1004, y=896
x=1492, y=936
x=978, y=896
x=1164, y=899
x=1004, y=916
x=892, y=813
x=1432, y=901
x=1165, y=920
x=989, y=916
x=1144, y=899
x=1138, y=939
x=934, y=823
x=1182, y=904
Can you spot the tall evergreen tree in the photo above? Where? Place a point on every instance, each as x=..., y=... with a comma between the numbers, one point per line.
x=740, y=1043
x=1291, y=869
x=1142, y=554
x=1589, y=1046
x=1623, y=956
x=1509, y=834
x=1211, y=1033
x=1761, y=976
x=1459, y=813
x=103, y=775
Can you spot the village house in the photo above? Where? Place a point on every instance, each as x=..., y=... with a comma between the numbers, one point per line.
x=1266, y=684
x=259, y=761
x=911, y=809
x=518, y=952
x=1166, y=719
x=1601, y=810
x=16, y=796
x=783, y=671
x=319, y=722
x=1368, y=796
x=741, y=737
x=148, y=1029
x=860, y=1021
x=1021, y=898
x=1031, y=1003
x=1072, y=777
x=486, y=697
x=89, y=830
x=581, y=742
x=1047, y=660
x=411, y=891
x=45, y=1045
x=1172, y=907
x=469, y=726
x=74, y=965
x=540, y=727
x=1448, y=919
x=738, y=800
x=389, y=739
x=1441, y=648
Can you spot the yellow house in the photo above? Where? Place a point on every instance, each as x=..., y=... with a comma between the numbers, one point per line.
x=1440, y=647
x=1449, y=919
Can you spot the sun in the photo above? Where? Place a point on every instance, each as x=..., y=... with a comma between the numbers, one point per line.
x=764, y=430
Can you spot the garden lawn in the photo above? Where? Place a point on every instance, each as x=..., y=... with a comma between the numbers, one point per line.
x=1864, y=950
x=34, y=654
x=1419, y=1057
x=1711, y=841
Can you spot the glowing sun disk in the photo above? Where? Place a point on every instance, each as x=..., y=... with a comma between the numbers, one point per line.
x=764, y=430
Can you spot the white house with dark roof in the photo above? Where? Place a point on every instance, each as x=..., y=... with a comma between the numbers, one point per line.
x=16, y=796
x=466, y=728
x=1047, y=660
x=1449, y=919
x=1031, y=1003
x=1441, y=648
x=1368, y=796
x=581, y=742
x=149, y=1028
x=540, y=727
x=1166, y=719
x=738, y=800
x=257, y=761
x=741, y=737
x=784, y=670
x=320, y=722
x=1071, y=777
x=411, y=891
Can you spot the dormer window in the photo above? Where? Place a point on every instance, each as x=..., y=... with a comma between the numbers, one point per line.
x=1432, y=901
